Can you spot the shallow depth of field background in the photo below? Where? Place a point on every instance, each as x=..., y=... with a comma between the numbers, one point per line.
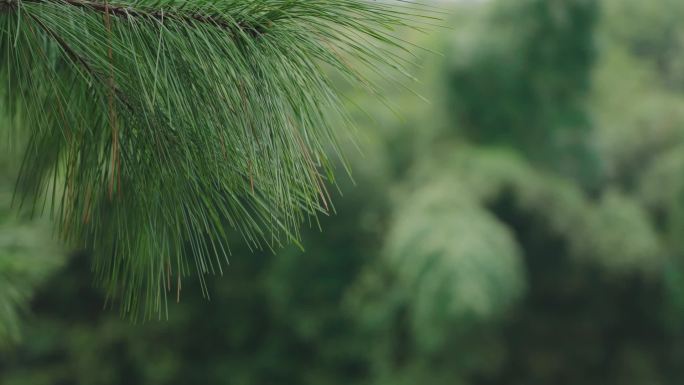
x=523, y=227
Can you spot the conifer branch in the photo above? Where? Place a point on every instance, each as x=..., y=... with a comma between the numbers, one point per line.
x=157, y=129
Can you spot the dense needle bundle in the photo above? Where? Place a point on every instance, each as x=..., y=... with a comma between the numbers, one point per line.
x=157, y=127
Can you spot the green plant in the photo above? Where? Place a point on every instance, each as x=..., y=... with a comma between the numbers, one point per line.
x=155, y=128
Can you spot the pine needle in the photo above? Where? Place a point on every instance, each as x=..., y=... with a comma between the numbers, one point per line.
x=167, y=125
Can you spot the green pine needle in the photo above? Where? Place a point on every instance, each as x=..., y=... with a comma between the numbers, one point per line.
x=156, y=128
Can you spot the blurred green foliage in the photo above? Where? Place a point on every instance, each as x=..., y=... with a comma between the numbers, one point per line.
x=525, y=227
x=523, y=82
x=27, y=256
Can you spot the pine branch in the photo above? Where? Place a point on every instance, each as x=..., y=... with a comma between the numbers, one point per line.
x=158, y=129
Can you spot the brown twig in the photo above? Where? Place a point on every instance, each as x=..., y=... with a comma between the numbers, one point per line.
x=113, y=123
x=126, y=12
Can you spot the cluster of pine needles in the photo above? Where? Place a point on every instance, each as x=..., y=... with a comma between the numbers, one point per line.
x=155, y=129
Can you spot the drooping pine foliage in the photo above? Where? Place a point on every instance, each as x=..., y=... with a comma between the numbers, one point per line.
x=155, y=128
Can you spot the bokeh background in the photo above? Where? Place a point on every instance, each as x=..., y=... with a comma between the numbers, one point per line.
x=524, y=226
